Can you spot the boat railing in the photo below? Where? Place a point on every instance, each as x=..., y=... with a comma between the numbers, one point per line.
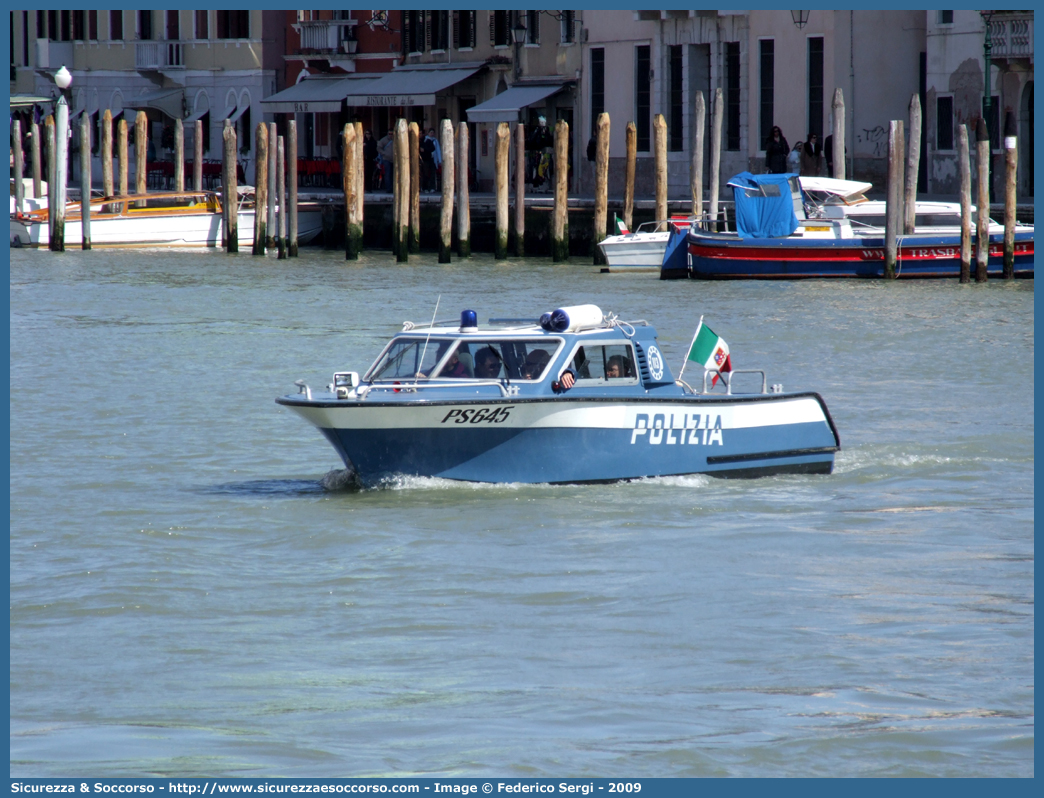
x=733, y=373
x=413, y=387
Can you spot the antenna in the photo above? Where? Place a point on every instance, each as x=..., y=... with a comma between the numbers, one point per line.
x=425, y=349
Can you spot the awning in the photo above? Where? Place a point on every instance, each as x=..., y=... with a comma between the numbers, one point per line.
x=505, y=106
x=191, y=118
x=239, y=112
x=169, y=101
x=225, y=114
x=408, y=86
x=322, y=95
x=29, y=100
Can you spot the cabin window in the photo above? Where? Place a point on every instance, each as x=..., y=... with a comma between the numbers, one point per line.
x=604, y=364
x=483, y=359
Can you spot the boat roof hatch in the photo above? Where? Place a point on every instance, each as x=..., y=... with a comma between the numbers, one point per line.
x=765, y=204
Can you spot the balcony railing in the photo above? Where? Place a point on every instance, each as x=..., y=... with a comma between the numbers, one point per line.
x=325, y=35
x=159, y=55
x=1012, y=36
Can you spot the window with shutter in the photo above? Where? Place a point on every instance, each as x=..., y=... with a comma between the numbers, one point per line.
x=568, y=27
x=427, y=29
x=456, y=29
x=92, y=25
x=532, y=27
x=406, y=31
x=493, y=27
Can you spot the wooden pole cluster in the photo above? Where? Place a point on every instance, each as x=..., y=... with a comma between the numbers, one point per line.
x=402, y=190
x=500, y=176
x=49, y=127
x=964, y=164
x=839, y=134
x=106, y=153
x=231, y=193
x=281, y=192
x=660, y=153
x=197, y=161
x=982, y=235
x=34, y=156
x=601, y=209
x=629, y=171
x=696, y=175
x=520, y=190
x=717, y=113
x=19, y=167
x=913, y=160
x=179, y=155
x=1011, y=161
x=85, y=181
x=291, y=187
x=351, y=165
x=415, y=187
x=893, y=202
x=560, y=225
x=270, y=228
x=122, y=152
x=446, y=212
x=141, y=140
x=260, y=188
x=463, y=196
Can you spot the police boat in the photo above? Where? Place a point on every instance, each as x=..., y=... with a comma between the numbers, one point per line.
x=577, y=397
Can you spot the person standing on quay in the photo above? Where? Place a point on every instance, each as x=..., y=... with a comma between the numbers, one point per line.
x=776, y=151
x=811, y=157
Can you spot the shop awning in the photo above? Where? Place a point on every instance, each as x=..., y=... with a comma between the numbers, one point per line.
x=191, y=118
x=506, y=106
x=238, y=113
x=320, y=95
x=169, y=101
x=29, y=100
x=409, y=86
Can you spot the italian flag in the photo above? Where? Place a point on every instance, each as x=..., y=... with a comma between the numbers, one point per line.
x=621, y=228
x=710, y=351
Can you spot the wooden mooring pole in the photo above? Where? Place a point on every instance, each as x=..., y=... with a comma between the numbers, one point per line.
x=415, y=188
x=893, y=211
x=291, y=187
x=660, y=153
x=141, y=142
x=281, y=194
x=270, y=226
x=696, y=172
x=520, y=190
x=260, y=187
x=629, y=170
x=601, y=209
x=463, y=193
x=560, y=225
x=123, y=153
x=19, y=166
x=838, y=155
x=179, y=155
x=360, y=186
x=913, y=160
x=106, y=153
x=500, y=175
x=85, y=181
x=446, y=211
x=61, y=165
x=352, y=230
x=49, y=128
x=1011, y=161
x=402, y=178
x=34, y=157
x=229, y=181
x=717, y=112
x=197, y=161
x=982, y=234
x=964, y=166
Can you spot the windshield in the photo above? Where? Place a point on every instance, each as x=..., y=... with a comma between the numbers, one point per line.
x=481, y=359
x=409, y=358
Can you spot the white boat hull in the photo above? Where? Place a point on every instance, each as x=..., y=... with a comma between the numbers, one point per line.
x=635, y=251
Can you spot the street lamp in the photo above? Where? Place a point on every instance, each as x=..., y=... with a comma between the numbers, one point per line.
x=800, y=18
x=56, y=214
x=518, y=33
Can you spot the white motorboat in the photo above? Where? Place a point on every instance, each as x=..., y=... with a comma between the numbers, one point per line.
x=160, y=219
x=641, y=250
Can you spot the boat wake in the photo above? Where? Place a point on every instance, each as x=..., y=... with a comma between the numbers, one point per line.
x=267, y=487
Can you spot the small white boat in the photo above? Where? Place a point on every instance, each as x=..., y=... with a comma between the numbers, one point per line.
x=160, y=219
x=642, y=250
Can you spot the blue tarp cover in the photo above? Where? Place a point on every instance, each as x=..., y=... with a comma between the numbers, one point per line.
x=764, y=205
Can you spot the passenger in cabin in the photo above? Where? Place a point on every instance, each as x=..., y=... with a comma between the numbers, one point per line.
x=487, y=364
x=458, y=365
x=535, y=363
x=617, y=367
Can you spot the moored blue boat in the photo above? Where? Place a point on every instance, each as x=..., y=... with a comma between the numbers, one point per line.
x=490, y=404
x=781, y=235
